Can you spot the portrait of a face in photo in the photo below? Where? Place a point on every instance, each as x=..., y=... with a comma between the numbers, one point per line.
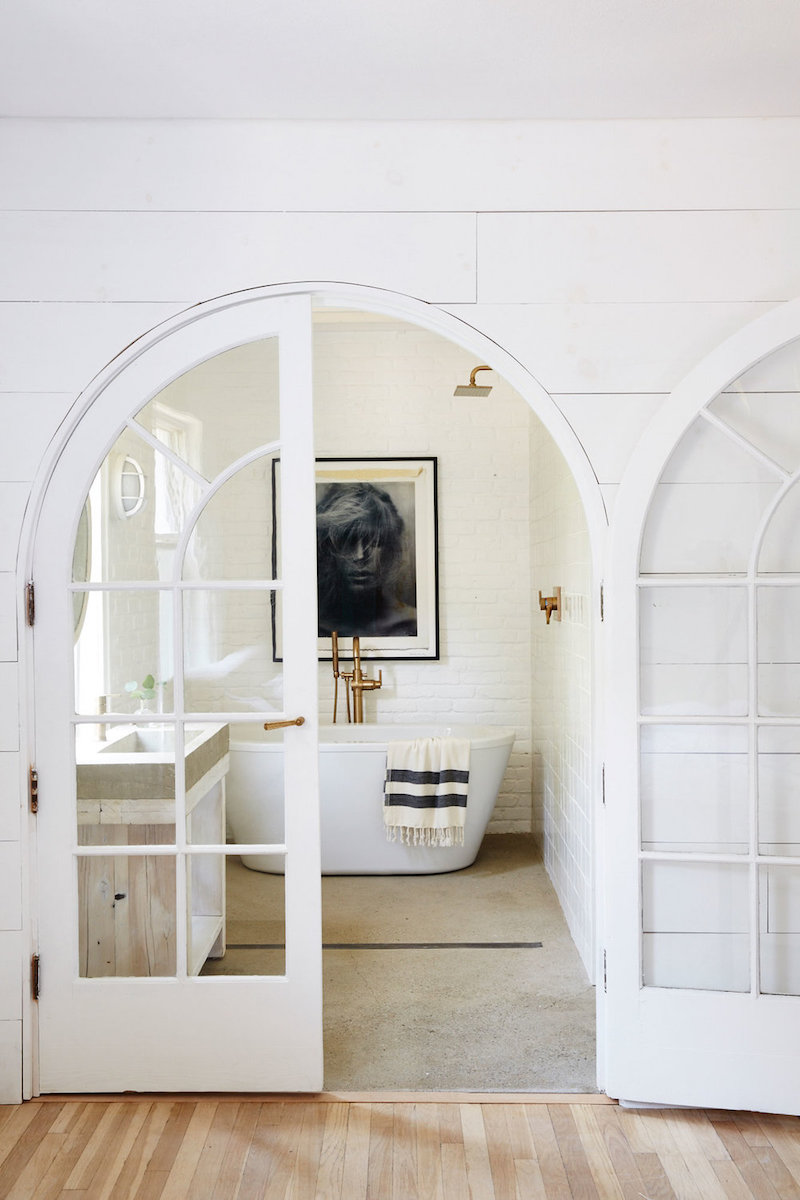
x=366, y=573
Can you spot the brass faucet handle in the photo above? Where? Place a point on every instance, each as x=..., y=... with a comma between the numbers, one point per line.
x=551, y=605
x=284, y=724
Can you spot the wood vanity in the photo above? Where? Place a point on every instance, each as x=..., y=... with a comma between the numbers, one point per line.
x=126, y=797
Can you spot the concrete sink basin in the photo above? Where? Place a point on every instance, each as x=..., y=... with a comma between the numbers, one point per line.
x=139, y=764
x=149, y=741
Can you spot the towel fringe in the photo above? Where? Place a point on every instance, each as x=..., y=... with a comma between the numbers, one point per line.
x=414, y=836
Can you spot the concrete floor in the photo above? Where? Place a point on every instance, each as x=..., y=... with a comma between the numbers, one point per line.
x=454, y=1019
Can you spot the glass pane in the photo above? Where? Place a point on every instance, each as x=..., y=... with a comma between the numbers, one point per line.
x=779, y=790
x=767, y=419
x=235, y=537
x=123, y=658
x=707, y=454
x=126, y=912
x=707, y=507
x=125, y=784
x=695, y=926
x=82, y=565
x=779, y=651
x=694, y=788
x=780, y=930
x=229, y=652
x=221, y=409
x=205, y=768
x=206, y=771
x=697, y=529
x=693, y=651
x=780, y=549
x=255, y=790
x=141, y=501
x=253, y=941
x=779, y=371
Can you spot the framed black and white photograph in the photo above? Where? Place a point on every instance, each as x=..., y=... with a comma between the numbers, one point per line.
x=377, y=568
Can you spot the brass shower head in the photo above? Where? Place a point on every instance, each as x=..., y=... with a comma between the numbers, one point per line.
x=472, y=388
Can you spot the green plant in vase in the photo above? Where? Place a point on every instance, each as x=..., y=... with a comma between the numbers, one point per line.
x=143, y=692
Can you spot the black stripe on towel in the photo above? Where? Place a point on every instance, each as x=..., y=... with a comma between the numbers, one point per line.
x=400, y=799
x=398, y=776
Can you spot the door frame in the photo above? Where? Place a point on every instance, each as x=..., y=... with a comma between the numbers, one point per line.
x=363, y=298
x=765, y=335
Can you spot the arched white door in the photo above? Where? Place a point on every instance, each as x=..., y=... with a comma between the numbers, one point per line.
x=703, y=816
x=176, y=620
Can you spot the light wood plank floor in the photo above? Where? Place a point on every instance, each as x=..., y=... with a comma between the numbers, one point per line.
x=426, y=1146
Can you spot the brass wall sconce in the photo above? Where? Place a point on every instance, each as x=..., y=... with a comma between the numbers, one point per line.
x=551, y=605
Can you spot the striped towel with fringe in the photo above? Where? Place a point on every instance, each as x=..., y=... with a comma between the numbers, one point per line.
x=425, y=793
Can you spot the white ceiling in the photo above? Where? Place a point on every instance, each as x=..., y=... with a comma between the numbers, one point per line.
x=399, y=59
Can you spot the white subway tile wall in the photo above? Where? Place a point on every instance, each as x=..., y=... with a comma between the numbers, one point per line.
x=389, y=393
x=561, y=672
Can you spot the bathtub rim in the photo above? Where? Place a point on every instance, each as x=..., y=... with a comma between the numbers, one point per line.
x=480, y=736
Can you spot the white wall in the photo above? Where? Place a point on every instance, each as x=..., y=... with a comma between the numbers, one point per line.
x=382, y=389
x=384, y=393
x=561, y=701
x=607, y=257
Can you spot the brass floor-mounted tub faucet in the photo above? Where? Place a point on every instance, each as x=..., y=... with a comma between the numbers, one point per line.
x=355, y=681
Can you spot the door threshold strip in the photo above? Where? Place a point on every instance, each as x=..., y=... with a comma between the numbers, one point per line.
x=548, y=1098
x=396, y=945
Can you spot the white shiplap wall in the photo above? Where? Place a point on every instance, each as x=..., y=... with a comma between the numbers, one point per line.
x=607, y=257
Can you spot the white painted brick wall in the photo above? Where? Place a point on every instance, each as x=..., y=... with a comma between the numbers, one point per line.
x=561, y=687
x=378, y=392
x=390, y=392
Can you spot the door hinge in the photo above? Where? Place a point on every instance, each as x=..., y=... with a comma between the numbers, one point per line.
x=33, y=789
x=30, y=603
x=35, y=976
x=605, y=972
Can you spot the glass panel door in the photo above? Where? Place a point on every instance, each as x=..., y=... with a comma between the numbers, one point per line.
x=156, y=662
x=703, y=954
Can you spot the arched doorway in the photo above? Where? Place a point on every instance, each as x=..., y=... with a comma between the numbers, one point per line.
x=151, y=365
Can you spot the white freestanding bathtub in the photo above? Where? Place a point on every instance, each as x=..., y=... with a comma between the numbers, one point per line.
x=352, y=764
